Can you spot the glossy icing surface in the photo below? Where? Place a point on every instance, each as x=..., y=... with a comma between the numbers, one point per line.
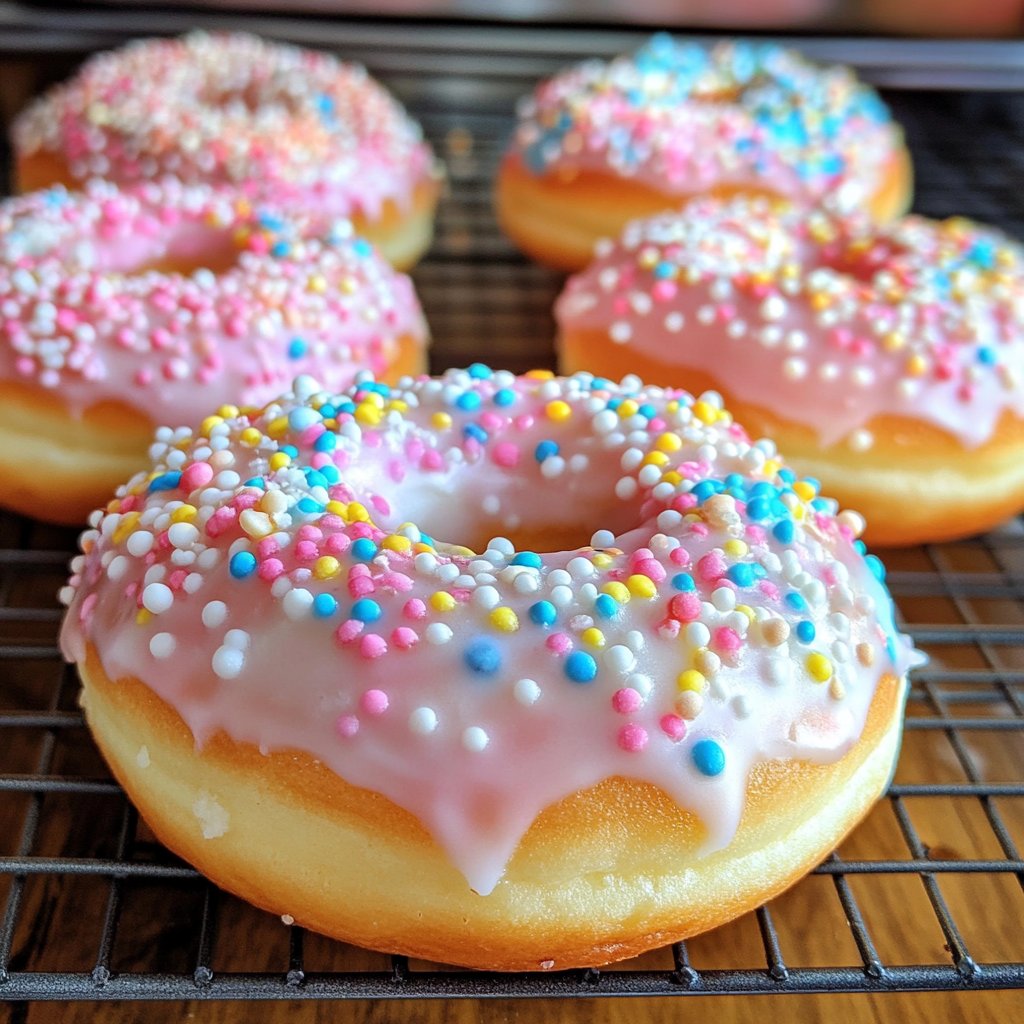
x=88, y=314
x=684, y=118
x=824, y=322
x=288, y=124
x=296, y=578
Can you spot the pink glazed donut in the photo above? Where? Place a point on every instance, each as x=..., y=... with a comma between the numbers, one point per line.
x=294, y=127
x=124, y=310
x=324, y=686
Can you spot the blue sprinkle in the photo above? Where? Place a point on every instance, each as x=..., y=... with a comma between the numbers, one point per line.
x=580, y=667
x=362, y=248
x=475, y=431
x=527, y=558
x=366, y=610
x=309, y=506
x=784, y=531
x=708, y=757
x=363, y=549
x=468, y=401
x=280, y=249
x=741, y=574
x=543, y=613
x=860, y=547
x=330, y=474
x=606, y=606
x=504, y=397
x=165, y=481
x=795, y=601
x=296, y=348
x=614, y=403
x=987, y=355
x=290, y=450
x=705, y=489
x=545, y=450
x=483, y=656
x=822, y=504
x=314, y=477
x=600, y=384
x=762, y=489
x=787, y=476
x=683, y=581
x=243, y=563
x=647, y=411
x=479, y=371
x=324, y=606
x=326, y=442
x=876, y=567
x=805, y=631
x=758, y=509
x=256, y=481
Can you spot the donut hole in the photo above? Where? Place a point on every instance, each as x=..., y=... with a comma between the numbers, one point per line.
x=863, y=260
x=183, y=251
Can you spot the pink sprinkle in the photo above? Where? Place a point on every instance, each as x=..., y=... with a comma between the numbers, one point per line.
x=337, y=543
x=267, y=548
x=559, y=643
x=680, y=556
x=711, y=567
x=306, y=551
x=668, y=629
x=404, y=637
x=414, y=608
x=755, y=534
x=373, y=645
x=396, y=581
x=308, y=532
x=651, y=568
x=431, y=460
x=673, y=727
x=727, y=639
x=664, y=291
x=627, y=700
x=361, y=586
x=523, y=422
x=505, y=454
x=374, y=702
x=633, y=738
x=685, y=607
x=197, y=475
x=270, y=569
x=769, y=589
x=348, y=631
x=346, y=726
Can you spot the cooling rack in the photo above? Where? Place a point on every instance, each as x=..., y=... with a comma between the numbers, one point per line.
x=928, y=894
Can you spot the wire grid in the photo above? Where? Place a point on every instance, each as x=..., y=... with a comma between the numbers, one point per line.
x=927, y=894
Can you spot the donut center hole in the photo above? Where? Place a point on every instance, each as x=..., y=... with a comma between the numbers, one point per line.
x=861, y=262
x=184, y=251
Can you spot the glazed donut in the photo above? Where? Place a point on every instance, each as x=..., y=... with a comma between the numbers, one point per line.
x=124, y=310
x=886, y=362
x=323, y=685
x=604, y=143
x=293, y=127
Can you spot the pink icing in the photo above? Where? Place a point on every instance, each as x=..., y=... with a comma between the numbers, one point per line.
x=84, y=315
x=477, y=688
x=825, y=323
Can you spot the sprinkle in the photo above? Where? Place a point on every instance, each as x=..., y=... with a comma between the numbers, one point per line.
x=632, y=738
x=708, y=757
x=228, y=662
x=526, y=691
x=819, y=667
x=483, y=656
x=374, y=702
x=243, y=564
x=157, y=598
x=423, y=721
x=475, y=739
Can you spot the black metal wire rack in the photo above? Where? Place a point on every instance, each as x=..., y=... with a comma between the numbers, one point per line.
x=928, y=894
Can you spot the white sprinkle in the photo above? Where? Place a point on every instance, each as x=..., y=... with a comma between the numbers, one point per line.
x=162, y=645
x=214, y=614
x=526, y=691
x=182, y=535
x=438, y=633
x=526, y=583
x=773, y=308
x=423, y=721
x=139, y=543
x=297, y=603
x=641, y=683
x=625, y=488
x=675, y=321
x=698, y=634
x=794, y=368
x=620, y=332
x=486, y=598
x=635, y=641
x=117, y=568
x=580, y=568
x=157, y=598
x=562, y=596
x=620, y=659
x=237, y=638
x=228, y=662
x=861, y=440
x=475, y=739
x=724, y=599
x=602, y=539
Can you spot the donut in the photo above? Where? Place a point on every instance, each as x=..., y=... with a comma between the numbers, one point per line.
x=885, y=362
x=326, y=682
x=122, y=310
x=294, y=127
x=607, y=142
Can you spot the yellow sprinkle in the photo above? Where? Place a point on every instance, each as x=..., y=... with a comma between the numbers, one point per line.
x=348, y=285
x=691, y=679
x=669, y=442
x=628, y=408
x=671, y=477
x=641, y=586
x=317, y=284
x=326, y=567
x=355, y=512
x=893, y=341
x=396, y=542
x=540, y=374
x=648, y=257
x=184, y=514
x=771, y=467
x=397, y=405
x=617, y=590
x=367, y=414
x=125, y=526
x=819, y=301
x=558, y=410
x=655, y=459
x=279, y=460
x=735, y=547
x=504, y=619
x=373, y=399
x=745, y=609
x=209, y=423
x=601, y=559
x=917, y=365
x=228, y=411
x=256, y=524
x=276, y=427
x=593, y=636
x=336, y=508
x=142, y=616
x=705, y=412
x=804, y=490
x=819, y=667
x=442, y=601
x=440, y=421
x=250, y=437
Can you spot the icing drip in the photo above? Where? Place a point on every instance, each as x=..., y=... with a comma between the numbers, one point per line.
x=731, y=616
